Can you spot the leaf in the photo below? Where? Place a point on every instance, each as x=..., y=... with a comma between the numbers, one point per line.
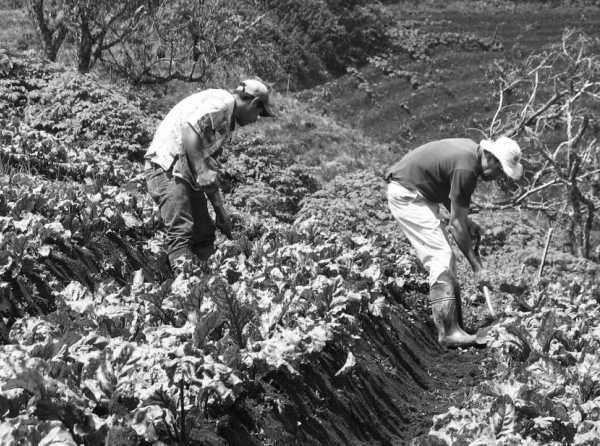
x=6, y=262
x=131, y=221
x=503, y=416
x=44, y=250
x=55, y=229
x=348, y=365
x=543, y=423
x=517, y=341
x=30, y=380
x=377, y=307
x=75, y=291
x=235, y=313
x=92, y=389
x=105, y=377
x=359, y=240
x=231, y=355
x=7, y=436
x=205, y=325
x=58, y=436
x=144, y=421
x=276, y=274
x=547, y=330
x=23, y=224
x=373, y=272
x=204, y=435
x=138, y=280
x=318, y=338
x=342, y=300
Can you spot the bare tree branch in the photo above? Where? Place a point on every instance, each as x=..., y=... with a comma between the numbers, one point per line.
x=563, y=96
x=500, y=104
x=537, y=189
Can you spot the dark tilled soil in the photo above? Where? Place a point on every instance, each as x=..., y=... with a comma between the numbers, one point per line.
x=401, y=379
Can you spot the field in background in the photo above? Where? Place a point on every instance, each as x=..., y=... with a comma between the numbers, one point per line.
x=455, y=92
x=16, y=32
x=450, y=93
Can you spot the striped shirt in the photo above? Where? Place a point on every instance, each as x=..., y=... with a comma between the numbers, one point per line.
x=210, y=114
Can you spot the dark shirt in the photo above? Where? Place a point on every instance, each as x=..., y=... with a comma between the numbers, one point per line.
x=443, y=171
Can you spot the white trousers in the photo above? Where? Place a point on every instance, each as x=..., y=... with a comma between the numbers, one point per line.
x=419, y=218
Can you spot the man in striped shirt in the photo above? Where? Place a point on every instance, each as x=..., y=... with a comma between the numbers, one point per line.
x=181, y=170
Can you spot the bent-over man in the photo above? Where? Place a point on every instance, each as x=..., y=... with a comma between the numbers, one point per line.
x=181, y=170
x=446, y=171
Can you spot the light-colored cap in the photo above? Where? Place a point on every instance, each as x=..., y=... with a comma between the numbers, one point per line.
x=253, y=88
x=508, y=152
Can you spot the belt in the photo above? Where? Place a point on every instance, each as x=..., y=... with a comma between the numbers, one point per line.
x=389, y=178
x=392, y=180
x=148, y=165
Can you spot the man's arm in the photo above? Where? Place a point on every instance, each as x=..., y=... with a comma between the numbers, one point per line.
x=473, y=228
x=447, y=204
x=206, y=177
x=193, y=145
x=222, y=218
x=459, y=227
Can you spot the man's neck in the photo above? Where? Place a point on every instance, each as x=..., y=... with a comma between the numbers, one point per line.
x=483, y=161
x=232, y=120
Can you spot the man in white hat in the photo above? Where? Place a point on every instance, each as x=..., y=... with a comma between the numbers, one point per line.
x=181, y=170
x=446, y=171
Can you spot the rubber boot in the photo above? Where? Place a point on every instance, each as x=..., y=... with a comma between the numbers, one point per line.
x=445, y=310
x=451, y=279
x=457, y=296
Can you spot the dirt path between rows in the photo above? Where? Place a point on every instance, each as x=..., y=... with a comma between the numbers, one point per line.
x=401, y=379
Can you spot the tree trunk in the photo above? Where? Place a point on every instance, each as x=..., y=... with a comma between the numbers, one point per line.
x=52, y=39
x=86, y=44
x=51, y=48
x=587, y=227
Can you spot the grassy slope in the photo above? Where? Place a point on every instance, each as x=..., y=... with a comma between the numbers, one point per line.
x=15, y=29
x=461, y=96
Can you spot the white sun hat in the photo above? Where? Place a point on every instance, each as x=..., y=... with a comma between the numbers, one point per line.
x=508, y=152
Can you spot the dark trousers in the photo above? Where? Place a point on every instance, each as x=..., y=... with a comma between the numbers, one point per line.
x=190, y=228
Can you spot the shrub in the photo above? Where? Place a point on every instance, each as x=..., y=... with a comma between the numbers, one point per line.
x=89, y=116
x=319, y=37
